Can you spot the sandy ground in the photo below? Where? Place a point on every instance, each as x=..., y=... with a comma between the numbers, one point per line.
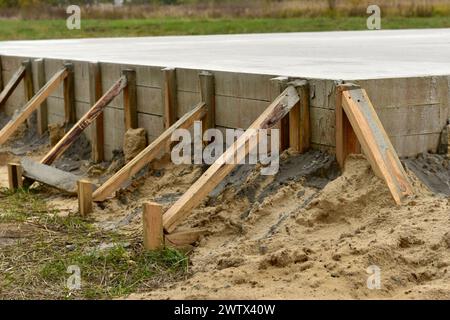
x=307, y=232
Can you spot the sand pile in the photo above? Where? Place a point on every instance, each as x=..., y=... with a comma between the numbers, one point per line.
x=300, y=241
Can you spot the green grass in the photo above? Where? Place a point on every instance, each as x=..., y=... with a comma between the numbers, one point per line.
x=112, y=264
x=51, y=29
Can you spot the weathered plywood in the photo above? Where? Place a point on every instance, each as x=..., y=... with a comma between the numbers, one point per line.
x=186, y=101
x=149, y=100
x=243, y=85
x=153, y=125
x=148, y=76
x=187, y=80
x=323, y=123
x=408, y=146
x=236, y=112
x=322, y=93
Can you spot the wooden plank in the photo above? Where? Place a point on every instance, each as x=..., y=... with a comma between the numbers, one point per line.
x=29, y=88
x=169, y=92
x=69, y=95
x=84, y=122
x=375, y=142
x=35, y=102
x=130, y=100
x=84, y=192
x=208, y=97
x=51, y=176
x=12, y=85
x=223, y=166
x=346, y=140
x=152, y=225
x=299, y=120
x=147, y=155
x=95, y=93
x=1, y=75
x=278, y=85
x=14, y=176
x=42, y=111
x=183, y=238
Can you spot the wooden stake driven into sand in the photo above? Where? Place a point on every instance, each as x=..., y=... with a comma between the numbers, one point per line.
x=84, y=122
x=374, y=141
x=148, y=154
x=220, y=168
x=32, y=105
x=12, y=84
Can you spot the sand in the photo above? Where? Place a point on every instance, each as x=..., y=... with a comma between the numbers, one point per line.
x=309, y=232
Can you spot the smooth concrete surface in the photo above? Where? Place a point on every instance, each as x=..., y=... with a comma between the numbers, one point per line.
x=349, y=55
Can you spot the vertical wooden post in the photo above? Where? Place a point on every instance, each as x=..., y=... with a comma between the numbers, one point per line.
x=85, y=190
x=207, y=92
x=346, y=140
x=278, y=85
x=42, y=111
x=69, y=95
x=169, y=93
x=1, y=75
x=95, y=93
x=130, y=100
x=14, y=176
x=153, y=226
x=299, y=121
x=28, y=88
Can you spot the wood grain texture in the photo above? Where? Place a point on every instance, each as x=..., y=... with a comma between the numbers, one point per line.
x=1, y=75
x=14, y=176
x=222, y=166
x=277, y=86
x=130, y=100
x=84, y=122
x=346, y=140
x=147, y=155
x=85, y=205
x=183, y=238
x=69, y=95
x=375, y=142
x=42, y=111
x=12, y=85
x=299, y=120
x=97, y=132
x=208, y=96
x=32, y=105
x=169, y=94
x=152, y=225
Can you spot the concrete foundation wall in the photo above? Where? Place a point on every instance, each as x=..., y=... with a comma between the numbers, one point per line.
x=413, y=110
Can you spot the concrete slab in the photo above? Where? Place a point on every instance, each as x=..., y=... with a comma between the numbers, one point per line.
x=347, y=55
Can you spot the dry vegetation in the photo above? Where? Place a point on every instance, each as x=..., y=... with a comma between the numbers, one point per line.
x=209, y=9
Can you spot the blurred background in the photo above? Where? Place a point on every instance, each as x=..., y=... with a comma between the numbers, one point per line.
x=43, y=19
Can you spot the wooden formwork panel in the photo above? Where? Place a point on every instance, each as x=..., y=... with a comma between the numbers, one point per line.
x=149, y=100
x=238, y=112
x=323, y=122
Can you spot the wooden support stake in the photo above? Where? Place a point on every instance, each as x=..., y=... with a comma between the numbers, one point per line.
x=346, y=140
x=153, y=228
x=29, y=89
x=14, y=176
x=375, y=142
x=95, y=93
x=130, y=100
x=32, y=105
x=42, y=111
x=278, y=85
x=12, y=85
x=84, y=197
x=299, y=122
x=169, y=93
x=183, y=238
x=84, y=122
x=223, y=166
x=148, y=154
x=69, y=95
x=1, y=75
x=207, y=92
